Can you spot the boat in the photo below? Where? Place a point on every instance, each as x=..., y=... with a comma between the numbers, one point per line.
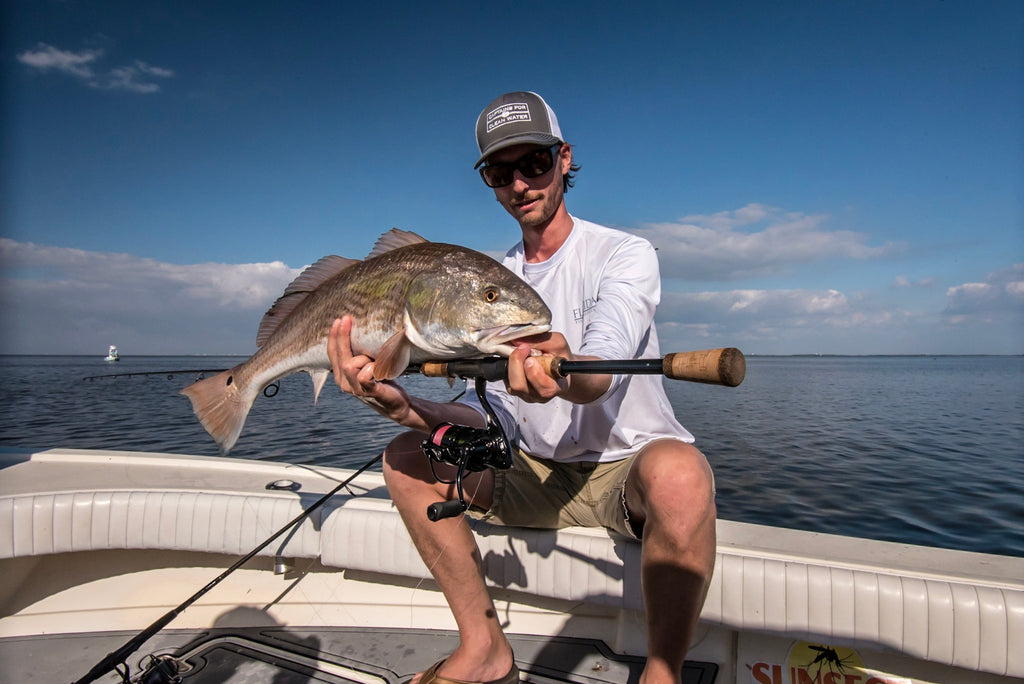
x=112, y=354
x=97, y=545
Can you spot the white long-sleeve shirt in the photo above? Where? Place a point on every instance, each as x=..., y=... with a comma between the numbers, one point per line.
x=602, y=287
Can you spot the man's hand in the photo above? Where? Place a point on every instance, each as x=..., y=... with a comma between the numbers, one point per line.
x=353, y=373
x=530, y=381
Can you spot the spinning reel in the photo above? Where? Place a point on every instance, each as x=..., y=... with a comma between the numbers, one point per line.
x=468, y=449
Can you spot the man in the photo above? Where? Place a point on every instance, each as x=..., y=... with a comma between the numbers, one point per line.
x=611, y=441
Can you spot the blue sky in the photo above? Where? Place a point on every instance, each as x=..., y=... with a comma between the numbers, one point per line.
x=843, y=177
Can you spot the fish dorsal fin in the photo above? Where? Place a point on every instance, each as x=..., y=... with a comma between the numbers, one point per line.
x=393, y=239
x=310, y=279
x=316, y=275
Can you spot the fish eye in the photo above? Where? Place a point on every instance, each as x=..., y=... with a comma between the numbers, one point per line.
x=491, y=294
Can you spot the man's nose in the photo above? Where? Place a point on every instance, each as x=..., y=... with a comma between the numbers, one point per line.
x=520, y=183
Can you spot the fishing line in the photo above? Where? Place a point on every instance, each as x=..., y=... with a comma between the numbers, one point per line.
x=441, y=552
x=492, y=433
x=119, y=658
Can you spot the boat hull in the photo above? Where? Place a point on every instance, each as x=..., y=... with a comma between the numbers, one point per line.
x=103, y=543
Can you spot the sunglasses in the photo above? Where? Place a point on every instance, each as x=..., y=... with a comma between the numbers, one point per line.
x=532, y=164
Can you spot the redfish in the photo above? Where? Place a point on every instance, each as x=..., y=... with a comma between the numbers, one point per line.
x=411, y=301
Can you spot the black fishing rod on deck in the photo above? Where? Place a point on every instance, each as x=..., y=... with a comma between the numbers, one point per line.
x=164, y=669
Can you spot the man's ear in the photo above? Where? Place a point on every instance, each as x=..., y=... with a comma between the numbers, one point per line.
x=565, y=157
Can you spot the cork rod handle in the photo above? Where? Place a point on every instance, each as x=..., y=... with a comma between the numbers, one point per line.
x=726, y=366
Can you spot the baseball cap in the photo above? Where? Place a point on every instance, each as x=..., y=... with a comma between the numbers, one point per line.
x=514, y=118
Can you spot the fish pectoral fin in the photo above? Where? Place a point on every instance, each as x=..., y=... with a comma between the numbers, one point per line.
x=393, y=357
x=319, y=376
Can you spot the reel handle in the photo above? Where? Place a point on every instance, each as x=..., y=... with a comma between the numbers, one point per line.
x=445, y=509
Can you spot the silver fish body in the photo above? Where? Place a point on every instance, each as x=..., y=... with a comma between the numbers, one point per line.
x=410, y=300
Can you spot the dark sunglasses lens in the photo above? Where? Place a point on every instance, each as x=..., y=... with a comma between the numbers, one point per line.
x=536, y=163
x=496, y=175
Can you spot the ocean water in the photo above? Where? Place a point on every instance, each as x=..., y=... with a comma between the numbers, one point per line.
x=924, y=450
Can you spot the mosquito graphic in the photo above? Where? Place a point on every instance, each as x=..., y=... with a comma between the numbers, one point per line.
x=827, y=657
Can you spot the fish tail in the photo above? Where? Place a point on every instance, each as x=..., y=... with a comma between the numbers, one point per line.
x=222, y=405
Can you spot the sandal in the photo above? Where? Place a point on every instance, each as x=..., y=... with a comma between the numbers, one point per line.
x=430, y=676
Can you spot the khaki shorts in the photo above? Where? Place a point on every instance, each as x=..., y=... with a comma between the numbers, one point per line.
x=537, y=492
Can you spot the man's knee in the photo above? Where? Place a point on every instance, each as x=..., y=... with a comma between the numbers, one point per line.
x=671, y=472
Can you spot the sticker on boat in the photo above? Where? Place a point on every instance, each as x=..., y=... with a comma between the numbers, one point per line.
x=820, y=663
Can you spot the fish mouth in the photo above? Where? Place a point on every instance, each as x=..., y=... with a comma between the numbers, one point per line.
x=495, y=340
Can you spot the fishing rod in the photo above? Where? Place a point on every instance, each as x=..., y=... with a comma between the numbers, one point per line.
x=268, y=391
x=158, y=670
x=726, y=366
x=169, y=373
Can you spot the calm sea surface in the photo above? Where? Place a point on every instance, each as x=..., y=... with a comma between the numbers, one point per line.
x=926, y=450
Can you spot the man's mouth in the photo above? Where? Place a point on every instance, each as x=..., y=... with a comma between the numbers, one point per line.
x=526, y=203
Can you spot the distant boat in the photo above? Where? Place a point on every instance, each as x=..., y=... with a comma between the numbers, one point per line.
x=112, y=355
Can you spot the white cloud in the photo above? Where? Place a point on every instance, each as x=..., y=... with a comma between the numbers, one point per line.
x=64, y=300
x=1000, y=296
x=979, y=318
x=723, y=246
x=903, y=281
x=134, y=78
x=782, y=321
x=46, y=57
x=58, y=300
x=138, y=77
x=750, y=304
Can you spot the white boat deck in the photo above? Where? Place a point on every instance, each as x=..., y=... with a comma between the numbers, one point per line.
x=917, y=611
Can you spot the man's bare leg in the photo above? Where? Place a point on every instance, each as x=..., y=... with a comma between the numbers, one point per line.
x=669, y=491
x=449, y=550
